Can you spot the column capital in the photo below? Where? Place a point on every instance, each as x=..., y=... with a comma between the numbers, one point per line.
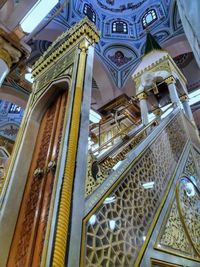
x=9, y=53
x=4, y=55
x=170, y=80
x=157, y=111
x=184, y=98
x=141, y=96
x=83, y=46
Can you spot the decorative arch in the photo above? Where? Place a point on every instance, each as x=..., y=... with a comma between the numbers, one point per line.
x=89, y=12
x=12, y=95
x=119, y=26
x=149, y=17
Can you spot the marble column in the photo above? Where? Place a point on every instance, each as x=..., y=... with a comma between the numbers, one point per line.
x=142, y=97
x=170, y=81
x=8, y=55
x=157, y=112
x=5, y=64
x=187, y=109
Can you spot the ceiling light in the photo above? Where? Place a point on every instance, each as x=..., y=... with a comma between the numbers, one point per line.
x=109, y=200
x=28, y=77
x=37, y=13
x=148, y=185
x=117, y=165
x=94, y=116
x=194, y=97
x=92, y=219
x=112, y=224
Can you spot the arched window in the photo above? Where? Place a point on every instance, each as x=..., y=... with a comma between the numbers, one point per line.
x=89, y=12
x=149, y=18
x=119, y=26
x=14, y=109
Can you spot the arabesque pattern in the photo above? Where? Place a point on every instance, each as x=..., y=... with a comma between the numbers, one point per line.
x=117, y=230
x=189, y=198
x=105, y=166
x=173, y=236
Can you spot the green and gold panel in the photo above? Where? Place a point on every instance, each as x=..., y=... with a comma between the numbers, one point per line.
x=180, y=230
x=172, y=237
x=188, y=199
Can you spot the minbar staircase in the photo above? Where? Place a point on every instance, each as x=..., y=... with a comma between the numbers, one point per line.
x=146, y=208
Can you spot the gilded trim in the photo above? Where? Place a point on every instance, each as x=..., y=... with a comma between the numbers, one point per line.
x=170, y=80
x=6, y=57
x=163, y=263
x=61, y=236
x=141, y=96
x=184, y=98
x=66, y=40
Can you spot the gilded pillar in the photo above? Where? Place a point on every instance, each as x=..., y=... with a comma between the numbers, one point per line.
x=142, y=97
x=63, y=221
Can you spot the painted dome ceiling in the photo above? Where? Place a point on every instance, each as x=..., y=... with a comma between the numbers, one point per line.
x=122, y=25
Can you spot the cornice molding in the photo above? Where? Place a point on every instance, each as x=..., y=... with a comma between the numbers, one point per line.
x=64, y=42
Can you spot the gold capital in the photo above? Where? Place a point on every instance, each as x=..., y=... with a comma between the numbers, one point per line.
x=6, y=57
x=183, y=98
x=141, y=96
x=170, y=80
x=157, y=111
x=84, y=45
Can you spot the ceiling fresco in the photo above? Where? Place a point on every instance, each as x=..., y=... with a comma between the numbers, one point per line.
x=122, y=26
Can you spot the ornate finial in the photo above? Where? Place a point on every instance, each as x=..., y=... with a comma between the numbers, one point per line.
x=151, y=43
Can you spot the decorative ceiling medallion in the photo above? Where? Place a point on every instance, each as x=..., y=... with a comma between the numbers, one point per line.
x=124, y=5
x=119, y=55
x=119, y=59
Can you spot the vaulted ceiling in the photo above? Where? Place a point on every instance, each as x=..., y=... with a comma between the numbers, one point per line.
x=119, y=51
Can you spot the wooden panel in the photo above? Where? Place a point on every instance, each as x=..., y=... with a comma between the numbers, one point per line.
x=159, y=263
x=28, y=239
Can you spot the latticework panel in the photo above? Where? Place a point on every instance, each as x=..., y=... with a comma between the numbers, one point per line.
x=117, y=230
x=105, y=166
x=193, y=132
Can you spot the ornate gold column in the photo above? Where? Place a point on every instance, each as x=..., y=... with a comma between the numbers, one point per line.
x=142, y=97
x=170, y=81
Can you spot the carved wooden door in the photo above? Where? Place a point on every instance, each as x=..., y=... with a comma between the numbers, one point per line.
x=28, y=240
